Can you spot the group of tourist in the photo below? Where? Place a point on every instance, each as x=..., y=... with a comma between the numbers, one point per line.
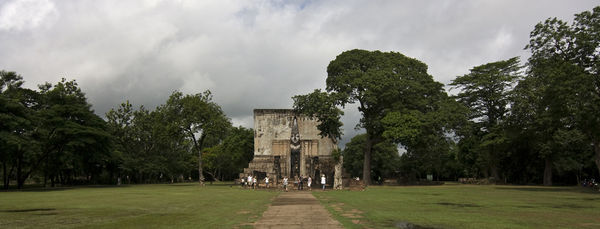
x=252, y=182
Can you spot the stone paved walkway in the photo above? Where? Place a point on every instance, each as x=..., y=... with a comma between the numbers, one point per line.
x=296, y=210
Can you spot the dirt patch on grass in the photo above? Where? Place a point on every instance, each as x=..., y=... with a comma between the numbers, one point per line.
x=244, y=225
x=294, y=201
x=354, y=215
x=243, y=212
x=337, y=207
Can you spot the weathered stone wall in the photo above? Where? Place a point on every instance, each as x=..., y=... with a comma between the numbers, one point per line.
x=272, y=132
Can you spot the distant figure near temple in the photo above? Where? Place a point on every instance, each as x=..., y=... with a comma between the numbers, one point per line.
x=287, y=144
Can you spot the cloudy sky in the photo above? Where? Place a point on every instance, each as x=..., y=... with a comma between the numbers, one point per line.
x=250, y=54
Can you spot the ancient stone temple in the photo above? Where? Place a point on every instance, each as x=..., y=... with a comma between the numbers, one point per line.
x=289, y=145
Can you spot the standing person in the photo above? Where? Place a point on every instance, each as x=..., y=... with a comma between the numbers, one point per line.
x=254, y=183
x=243, y=182
x=323, y=181
x=301, y=182
x=285, y=183
x=267, y=182
x=298, y=182
x=309, y=182
x=249, y=181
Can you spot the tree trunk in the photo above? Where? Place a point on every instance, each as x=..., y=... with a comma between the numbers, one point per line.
x=4, y=175
x=20, y=179
x=367, y=160
x=200, y=176
x=597, y=157
x=548, y=172
x=198, y=146
x=494, y=170
x=339, y=168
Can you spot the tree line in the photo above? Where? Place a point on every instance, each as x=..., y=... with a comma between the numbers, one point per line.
x=512, y=122
x=51, y=136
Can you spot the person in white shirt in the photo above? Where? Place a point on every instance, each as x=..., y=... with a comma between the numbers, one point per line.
x=249, y=181
x=309, y=182
x=285, y=183
x=323, y=181
x=254, y=183
x=267, y=182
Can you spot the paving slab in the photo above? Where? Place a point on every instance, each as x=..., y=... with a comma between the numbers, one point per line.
x=296, y=210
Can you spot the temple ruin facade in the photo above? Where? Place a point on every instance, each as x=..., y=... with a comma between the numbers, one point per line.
x=287, y=144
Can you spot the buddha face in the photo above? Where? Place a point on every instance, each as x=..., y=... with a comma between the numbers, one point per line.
x=295, y=138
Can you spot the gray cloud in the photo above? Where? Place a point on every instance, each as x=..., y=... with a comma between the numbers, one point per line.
x=250, y=54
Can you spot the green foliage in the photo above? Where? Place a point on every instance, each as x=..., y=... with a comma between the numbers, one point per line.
x=485, y=91
x=199, y=119
x=390, y=89
x=74, y=141
x=404, y=127
x=164, y=144
x=336, y=154
x=17, y=125
x=52, y=133
x=227, y=160
x=321, y=105
x=385, y=159
x=561, y=93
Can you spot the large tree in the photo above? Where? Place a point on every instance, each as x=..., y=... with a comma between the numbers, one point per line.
x=565, y=70
x=16, y=125
x=73, y=140
x=485, y=91
x=380, y=83
x=199, y=118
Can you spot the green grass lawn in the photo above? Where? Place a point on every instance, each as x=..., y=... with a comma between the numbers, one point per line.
x=465, y=206
x=222, y=206
x=136, y=206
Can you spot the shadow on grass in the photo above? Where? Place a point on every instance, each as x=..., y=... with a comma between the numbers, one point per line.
x=459, y=205
x=29, y=210
x=183, y=184
x=571, y=206
x=53, y=189
x=542, y=189
x=405, y=225
x=221, y=184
